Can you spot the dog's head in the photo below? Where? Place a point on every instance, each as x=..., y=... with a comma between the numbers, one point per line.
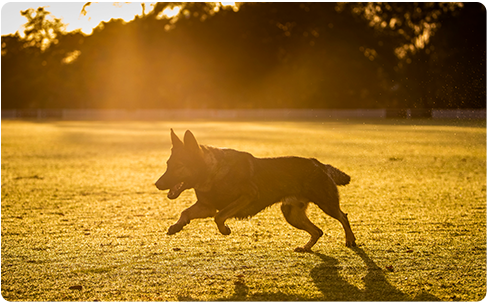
x=185, y=166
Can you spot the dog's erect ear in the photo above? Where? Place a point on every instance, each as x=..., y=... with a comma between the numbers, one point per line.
x=177, y=143
x=190, y=142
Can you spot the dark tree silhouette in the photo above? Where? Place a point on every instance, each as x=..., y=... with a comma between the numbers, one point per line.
x=265, y=55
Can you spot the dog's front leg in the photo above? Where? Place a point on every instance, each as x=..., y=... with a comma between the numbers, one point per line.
x=230, y=211
x=198, y=210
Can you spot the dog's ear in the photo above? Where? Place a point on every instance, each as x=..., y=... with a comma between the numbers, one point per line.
x=177, y=143
x=190, y=142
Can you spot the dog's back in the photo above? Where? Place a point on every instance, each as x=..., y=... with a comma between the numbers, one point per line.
x=275, y=179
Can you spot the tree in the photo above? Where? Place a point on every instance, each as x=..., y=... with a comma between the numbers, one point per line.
x=41, y=29
x=439, y=50
x=261, y=55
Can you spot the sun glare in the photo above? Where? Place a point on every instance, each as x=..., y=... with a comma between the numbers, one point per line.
x=169, y=12
x=70, y=57
x=234, y=6
x=87, y=16
x=97, y=12
x=75, y=15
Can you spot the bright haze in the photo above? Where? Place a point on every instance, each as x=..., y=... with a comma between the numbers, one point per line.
x=72, y=14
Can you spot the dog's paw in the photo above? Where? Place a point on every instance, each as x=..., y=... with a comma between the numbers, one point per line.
x=224, y=229
x=350, y=243
x=303, y=249
x=174, y=229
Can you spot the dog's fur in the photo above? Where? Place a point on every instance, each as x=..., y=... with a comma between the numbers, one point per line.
x=234, y=184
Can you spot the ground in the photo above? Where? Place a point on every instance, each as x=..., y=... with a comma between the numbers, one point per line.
x=83, y=221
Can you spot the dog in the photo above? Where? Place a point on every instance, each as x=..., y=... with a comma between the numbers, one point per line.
x=234, y=184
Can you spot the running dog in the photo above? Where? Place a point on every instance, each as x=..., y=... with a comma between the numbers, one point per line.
x=235, y=184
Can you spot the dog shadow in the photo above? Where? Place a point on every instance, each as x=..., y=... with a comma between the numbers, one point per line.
x=376, y=287
x=334, y=288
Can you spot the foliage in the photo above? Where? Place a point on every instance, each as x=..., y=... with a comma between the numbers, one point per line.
x=40, y=30
x=265, y=55
x=413, y=23
x=83, y=221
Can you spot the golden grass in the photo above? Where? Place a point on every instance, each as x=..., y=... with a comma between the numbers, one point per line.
x=82, y=220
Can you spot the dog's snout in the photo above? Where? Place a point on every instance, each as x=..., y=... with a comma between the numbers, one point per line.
x=160, y=184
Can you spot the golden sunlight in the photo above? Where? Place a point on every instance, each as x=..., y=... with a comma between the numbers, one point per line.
x=85, y=16
x=96, y=12
x=232, y=5
x=75, y=15
x=169, y=12
x=71, y=56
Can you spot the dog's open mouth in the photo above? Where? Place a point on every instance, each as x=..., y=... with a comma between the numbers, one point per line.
x=176, y=190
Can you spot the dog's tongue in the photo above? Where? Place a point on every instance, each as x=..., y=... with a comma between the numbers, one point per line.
x=175, y=191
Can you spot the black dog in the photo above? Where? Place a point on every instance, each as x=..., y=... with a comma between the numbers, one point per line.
x=230, y=183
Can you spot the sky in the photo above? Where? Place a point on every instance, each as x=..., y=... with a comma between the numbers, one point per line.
x=70, y=14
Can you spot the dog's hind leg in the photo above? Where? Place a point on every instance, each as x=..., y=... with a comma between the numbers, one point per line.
x=324, y=193
x=198, y=210
x=331, y=207
x=294, y=211
x=342, y=217
x=350, y=238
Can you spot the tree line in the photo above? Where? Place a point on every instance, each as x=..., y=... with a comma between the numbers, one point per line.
x=263, y=55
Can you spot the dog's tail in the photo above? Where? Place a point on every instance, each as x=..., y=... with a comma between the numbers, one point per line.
x=339, y=177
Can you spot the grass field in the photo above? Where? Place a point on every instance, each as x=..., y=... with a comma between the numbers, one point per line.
x=83, y=221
